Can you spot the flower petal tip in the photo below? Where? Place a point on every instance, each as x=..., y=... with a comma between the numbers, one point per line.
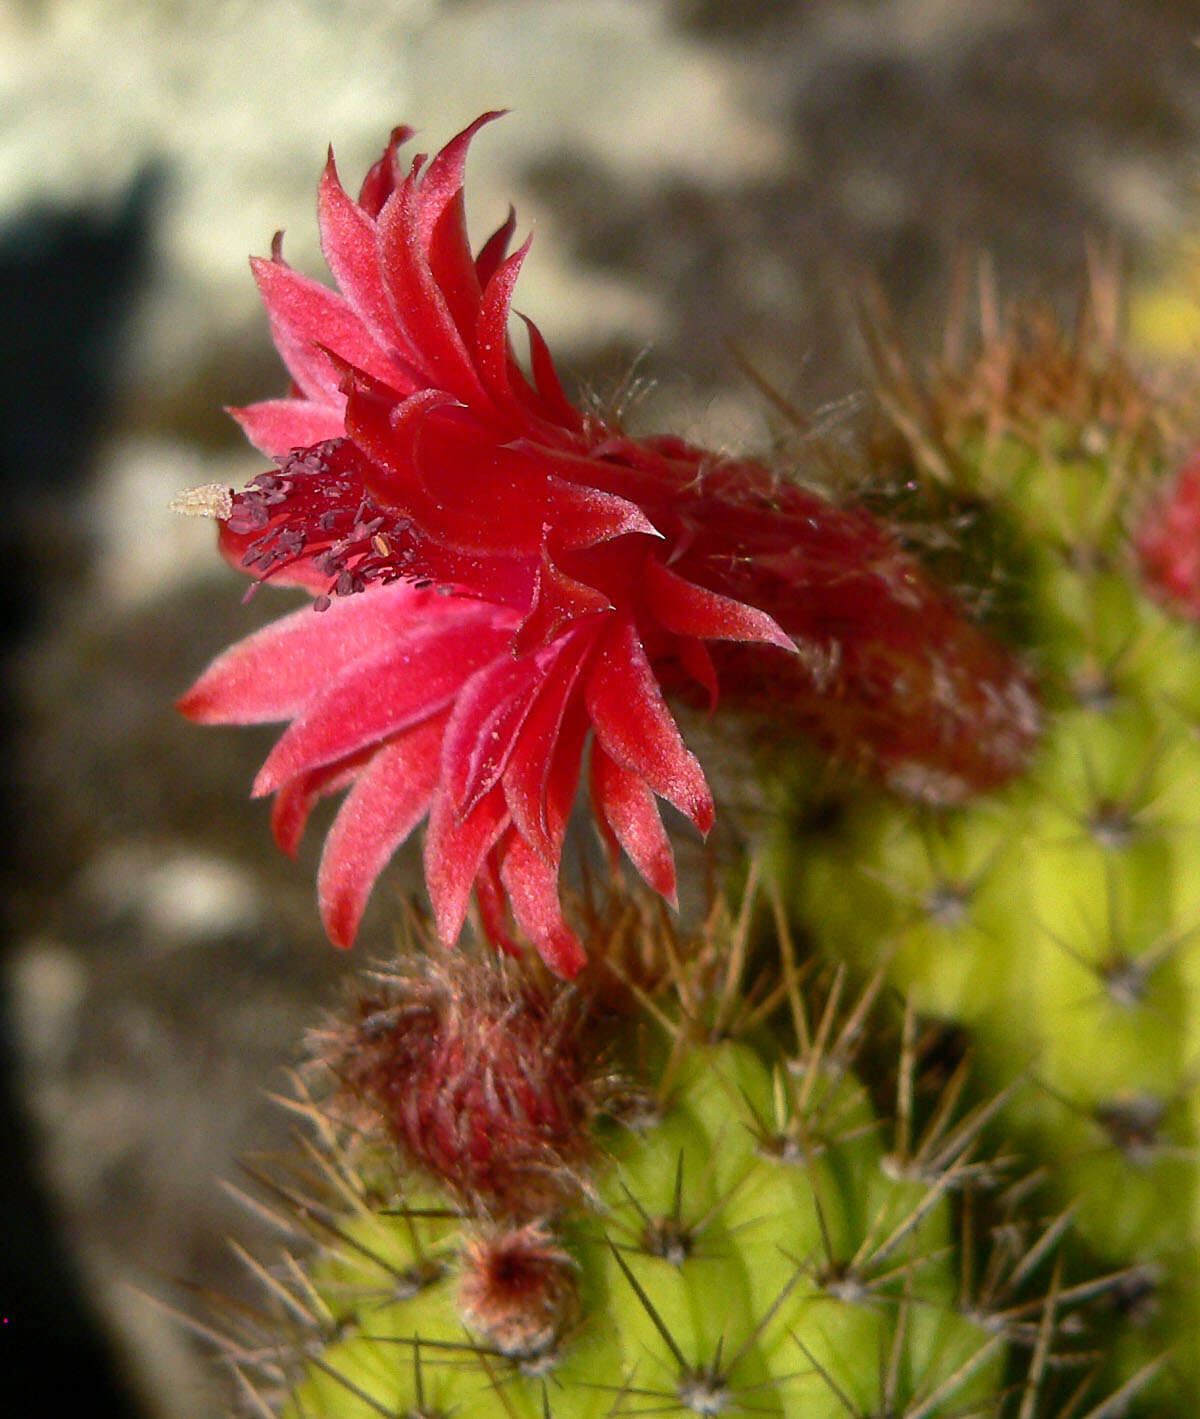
x=341, y=918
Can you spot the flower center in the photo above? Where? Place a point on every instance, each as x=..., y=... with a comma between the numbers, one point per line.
x=317, y=509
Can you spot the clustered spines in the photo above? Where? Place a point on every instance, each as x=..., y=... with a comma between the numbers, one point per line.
x=1068, y=391
x=1049, y=433
x=1072, y=963
x=697, y=1267
x=700, y=987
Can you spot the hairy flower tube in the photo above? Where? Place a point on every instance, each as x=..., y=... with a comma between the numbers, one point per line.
x=486, y=1079
x=504, y=581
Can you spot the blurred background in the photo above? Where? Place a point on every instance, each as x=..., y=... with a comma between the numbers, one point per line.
x=698, y=173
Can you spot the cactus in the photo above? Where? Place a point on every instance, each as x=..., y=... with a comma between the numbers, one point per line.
x=703, y=1178
x=1057, y=919
x=623, y=1197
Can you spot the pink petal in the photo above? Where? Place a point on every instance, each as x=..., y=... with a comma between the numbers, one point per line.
x=533, y=893
x=488, y=715
x=493, y=353
x=596, y=474
x=306, y=318
x=454, y=850
x=442, y=181
x=492, y=252
x=562, y=779
x=636, y=728
x=558, y=408
x=277, y=426
x=417, y=302
x=443, y=228
x=348, y=241
x=527, y=775
x=582, y=517
x=498, y=368
x=452, y=266
x=296, y=800
x=272, y=674
x=557, y=601
x=389, y=798
x=380, y=181
x=493, y=905
x=380, y=694
x=627, y=806
x=691, y=610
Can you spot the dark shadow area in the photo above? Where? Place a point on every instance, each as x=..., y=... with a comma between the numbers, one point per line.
x=67, y=279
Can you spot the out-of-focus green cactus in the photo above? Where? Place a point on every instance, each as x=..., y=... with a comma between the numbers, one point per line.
x=1058, y=919
x=515, y=1219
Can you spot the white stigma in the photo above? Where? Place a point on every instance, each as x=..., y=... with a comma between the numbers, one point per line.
x=208, y=500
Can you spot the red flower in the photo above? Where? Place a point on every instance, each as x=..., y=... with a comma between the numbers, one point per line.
x=534, y=577
x=1168, y=544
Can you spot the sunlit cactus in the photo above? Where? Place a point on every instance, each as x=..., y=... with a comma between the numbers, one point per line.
x=715, y=1222
x=1057, y=919
x=914, y=1136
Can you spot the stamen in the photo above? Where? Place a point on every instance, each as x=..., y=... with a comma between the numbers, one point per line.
x=315, y=508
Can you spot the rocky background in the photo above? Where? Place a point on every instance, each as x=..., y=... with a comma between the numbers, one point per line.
x=703, y=176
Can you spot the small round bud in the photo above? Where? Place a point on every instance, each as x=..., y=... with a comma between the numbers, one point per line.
x=482, y=1076
x=520, y=1290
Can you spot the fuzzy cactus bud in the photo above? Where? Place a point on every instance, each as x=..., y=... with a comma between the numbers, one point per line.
x=520, y=1290
x=481, y=1076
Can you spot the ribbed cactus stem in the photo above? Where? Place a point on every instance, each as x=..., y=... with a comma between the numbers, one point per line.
x=732, y=1226
x=1058, y=919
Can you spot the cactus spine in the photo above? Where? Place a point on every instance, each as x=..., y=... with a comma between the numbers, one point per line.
x=1058, y=919
x=703, y=1221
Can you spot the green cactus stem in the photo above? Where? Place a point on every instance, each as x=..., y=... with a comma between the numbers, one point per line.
x=1057, y=919
x=713, y=1222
